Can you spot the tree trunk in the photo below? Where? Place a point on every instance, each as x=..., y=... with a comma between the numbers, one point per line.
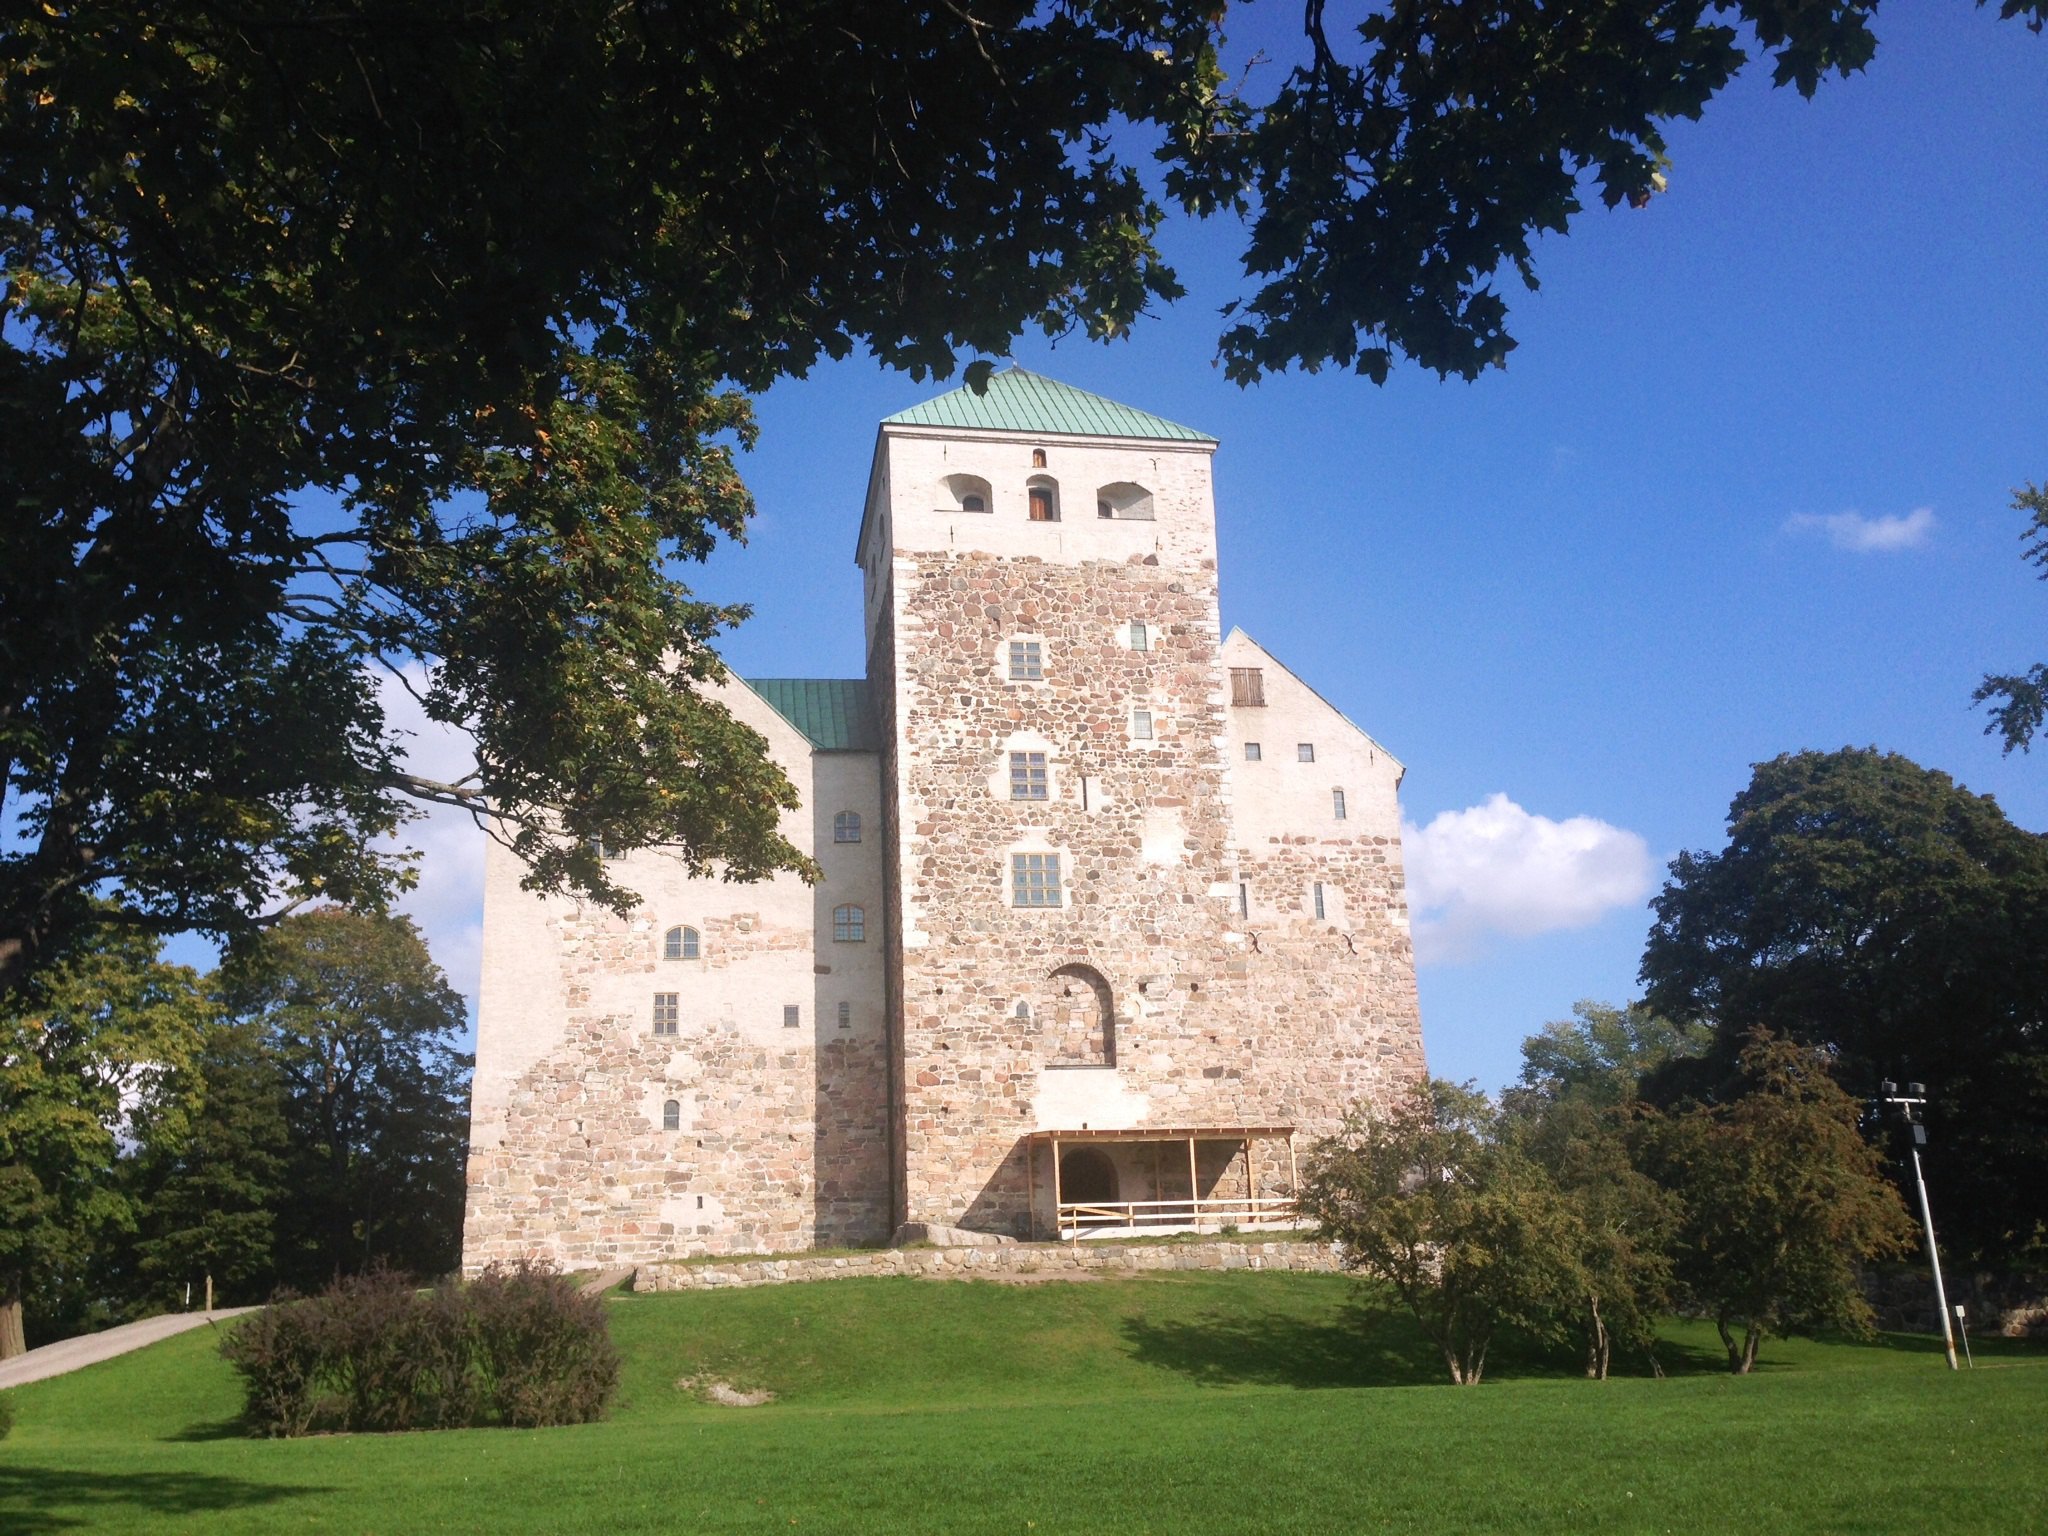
x=1598, y=1346
x=1749, y=1346
x=12, y=1341
x=1728, y=1343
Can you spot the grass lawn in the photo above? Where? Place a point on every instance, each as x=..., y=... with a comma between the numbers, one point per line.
x=1165, y=1403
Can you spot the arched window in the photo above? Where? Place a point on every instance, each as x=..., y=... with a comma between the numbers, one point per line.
x=1023, y=1009
x=1124, y=500
x=1078, y=1017
x=846, y=827
x=671, y=1116
x=679, y=944
x=1038, y=458
x=1043, y=494
x=963, y=493
x=849, y=925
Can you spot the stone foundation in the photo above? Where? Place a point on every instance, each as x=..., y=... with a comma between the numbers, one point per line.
x=1032, y=1260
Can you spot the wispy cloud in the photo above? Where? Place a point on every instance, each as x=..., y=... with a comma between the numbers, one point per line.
x=448, y=902
x=1497, y=869
x=1867, y=535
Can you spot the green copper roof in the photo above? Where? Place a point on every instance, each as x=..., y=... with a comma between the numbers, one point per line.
x=1021, y=401
x=831, y=712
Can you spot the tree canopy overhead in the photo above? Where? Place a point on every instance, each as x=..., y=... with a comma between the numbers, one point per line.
x=491, y=279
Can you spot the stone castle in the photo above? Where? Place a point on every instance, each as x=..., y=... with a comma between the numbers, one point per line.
x=1112, y=917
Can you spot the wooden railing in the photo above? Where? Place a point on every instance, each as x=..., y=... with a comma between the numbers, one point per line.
x=1088, y=1218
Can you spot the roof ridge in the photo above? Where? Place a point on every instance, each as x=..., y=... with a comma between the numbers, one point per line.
x=1015, y=399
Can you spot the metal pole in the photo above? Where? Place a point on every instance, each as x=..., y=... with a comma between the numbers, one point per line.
x=1948, y=1336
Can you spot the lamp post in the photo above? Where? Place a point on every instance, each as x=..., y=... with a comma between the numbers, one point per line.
x=1909, y=1104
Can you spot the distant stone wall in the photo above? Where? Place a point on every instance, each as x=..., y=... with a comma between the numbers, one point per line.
x=2011, y=1306
x=1035, y=1261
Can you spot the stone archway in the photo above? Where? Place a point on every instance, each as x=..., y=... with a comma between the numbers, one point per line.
x=1087, y=1177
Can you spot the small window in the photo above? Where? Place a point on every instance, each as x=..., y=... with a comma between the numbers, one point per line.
x=1027, y=775
x=679, y=944
x=792, y=1016
x=1248, y=686
x=1141, y=637
x=846, y=827
x=849, y=925
x=1304, y=752
x=1027, y=663
x=1244, y=899
x=1023, y=1010
x=598, y=848
x=1337, y=804
x=1044, y=507
x=1141, y=725
x=846, y=1015
x=668, y=1013
x=671, y=1116
x=1038, y=458
x=1319, y=900
x=1251, y=752
x=974, y=501
x=1034, y=879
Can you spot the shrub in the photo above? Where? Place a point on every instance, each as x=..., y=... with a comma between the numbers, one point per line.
x=521, y=1346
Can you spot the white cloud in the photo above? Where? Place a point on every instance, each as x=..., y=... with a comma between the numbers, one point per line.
x=1497, y=869
x=448, y=902
x=1867, y=535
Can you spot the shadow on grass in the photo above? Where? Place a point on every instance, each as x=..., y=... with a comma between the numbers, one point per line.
x=34, y=1500
x=236, y=1428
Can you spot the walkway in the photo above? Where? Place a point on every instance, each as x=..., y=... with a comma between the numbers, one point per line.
x=91, y=1348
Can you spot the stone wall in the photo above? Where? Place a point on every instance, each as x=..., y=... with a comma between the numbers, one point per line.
x=1032, y=1261
x=2009, y=1306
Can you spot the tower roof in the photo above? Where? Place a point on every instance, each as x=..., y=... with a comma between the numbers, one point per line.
x=1018, y=400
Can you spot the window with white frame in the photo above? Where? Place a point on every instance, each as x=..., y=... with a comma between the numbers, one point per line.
x=1034, y=880
x=1337, y=804
x=846, y=827
x=1141, y=725
x=1027, y=662
x=671, y=1116
x=668, y=1012
x=680, y=944
x=1304, y=752
x=1141, y=637
x=849, y=925
x=1027, y=776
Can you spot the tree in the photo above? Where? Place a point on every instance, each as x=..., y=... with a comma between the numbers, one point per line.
x=89, y=1056
x=2019, y=718
x=1602, y=1053
x=381, y=335
x=209, y=1205
x=1874, y=907
x=359, y=1026
x=1782, y=1198
x=1432, y=1199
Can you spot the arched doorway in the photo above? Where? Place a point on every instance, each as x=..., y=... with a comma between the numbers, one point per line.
x=1078, y=1017
x=1087, y=1177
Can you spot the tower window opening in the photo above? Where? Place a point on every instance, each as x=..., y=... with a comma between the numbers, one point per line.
x=846, y=1015
x=672, y=1119
x=680, y=944
x=1141, y=725
x=792, y=1016
x=1337, y=804
x=1034, y=879
x=668, y=1012
x=1038, y=458
x=1027, y=662
x=846, y=827
x=1252, y=752
x=1141, y=637
x=849, y=925
x=1304, y=751
x=1320, y=914
x=1027, y=776
x=1044, y=499
x=1248, y=687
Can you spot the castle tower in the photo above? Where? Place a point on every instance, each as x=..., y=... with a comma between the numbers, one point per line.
x=1079, y=993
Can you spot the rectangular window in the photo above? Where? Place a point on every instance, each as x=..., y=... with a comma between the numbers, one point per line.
x=668, y=1013
x=1319, y=900
x=1027, y=775
x=1042, y=509
x=846, y=1015
x=1337, y=804
x=1034, y=879
x=793, y=1016
x=1026, y=665
x=1141, y=638
x=1244, y=899
x=1251, y=752
x=1141, y=724
x=1247, y=686
x=1304, y=752
x=849, y=925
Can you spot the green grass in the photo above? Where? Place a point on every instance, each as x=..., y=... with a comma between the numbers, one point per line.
x=1165, y=1403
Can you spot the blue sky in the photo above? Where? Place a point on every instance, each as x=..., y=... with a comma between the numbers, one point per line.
x=1743, y=489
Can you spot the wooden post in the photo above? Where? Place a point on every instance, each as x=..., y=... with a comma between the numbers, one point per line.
x=1031, y=1186
x=1250, y=1192
x=1293, y=1175
x=1194, y=1187
x=1058, y=1228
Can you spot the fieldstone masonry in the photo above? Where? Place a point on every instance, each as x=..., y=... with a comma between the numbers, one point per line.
x=1225, y=941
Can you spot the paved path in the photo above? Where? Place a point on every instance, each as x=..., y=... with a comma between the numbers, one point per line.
x=91, y=1348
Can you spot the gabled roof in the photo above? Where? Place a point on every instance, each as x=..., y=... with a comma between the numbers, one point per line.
x=1237, y=631
x=1018, y=400
x=832, y=713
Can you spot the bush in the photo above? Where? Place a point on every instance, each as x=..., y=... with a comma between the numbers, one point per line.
x=521, y=1346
